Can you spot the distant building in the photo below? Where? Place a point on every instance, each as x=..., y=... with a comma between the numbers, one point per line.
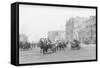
x=23, y=38
x=81, y=28
x=56, y=35
x=78, y=24
x=69, y=29
x=88, y=33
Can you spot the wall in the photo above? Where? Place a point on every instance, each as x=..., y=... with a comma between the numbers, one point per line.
x=5, y=34
x=56, y=35
x=81, y=28
x=69, y=29
x=87, y=34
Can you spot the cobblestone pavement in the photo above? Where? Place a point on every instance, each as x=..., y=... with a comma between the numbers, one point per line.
x=34, y=56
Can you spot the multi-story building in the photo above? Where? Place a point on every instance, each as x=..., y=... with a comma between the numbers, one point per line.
x=81, y=28
x=88, y=33
x=69, y=29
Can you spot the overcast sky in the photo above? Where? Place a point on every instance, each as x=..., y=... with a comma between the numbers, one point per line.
x=36, y=21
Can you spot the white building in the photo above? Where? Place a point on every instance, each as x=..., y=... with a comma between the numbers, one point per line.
x=56, y=35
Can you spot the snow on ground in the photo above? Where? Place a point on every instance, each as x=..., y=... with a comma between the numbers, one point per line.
x=86, y=52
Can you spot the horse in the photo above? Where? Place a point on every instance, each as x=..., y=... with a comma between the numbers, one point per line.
x=43, y=46
x=46, y=45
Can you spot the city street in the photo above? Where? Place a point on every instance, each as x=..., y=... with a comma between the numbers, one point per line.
x=34, y=56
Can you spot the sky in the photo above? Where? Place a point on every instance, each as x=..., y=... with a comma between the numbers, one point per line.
x=36, y=21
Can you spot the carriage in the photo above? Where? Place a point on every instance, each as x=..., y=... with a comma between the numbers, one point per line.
x=46, y=45
x=75, y=45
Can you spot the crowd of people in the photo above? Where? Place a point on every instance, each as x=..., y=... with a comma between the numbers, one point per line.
x=47, y=45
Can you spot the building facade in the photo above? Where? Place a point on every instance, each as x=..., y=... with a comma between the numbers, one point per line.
x=88, y=33
x=81, y=28
x=69, y=29
x=56, y=35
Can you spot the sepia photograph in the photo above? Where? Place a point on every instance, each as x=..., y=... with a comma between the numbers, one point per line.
x=56, y=34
